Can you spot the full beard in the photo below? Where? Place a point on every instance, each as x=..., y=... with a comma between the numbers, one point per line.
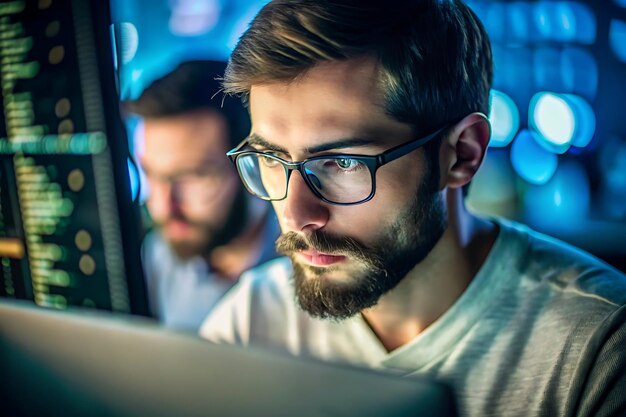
x=381, y=266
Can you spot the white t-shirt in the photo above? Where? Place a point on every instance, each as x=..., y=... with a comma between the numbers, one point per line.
x=539, y=331
x=183, y=292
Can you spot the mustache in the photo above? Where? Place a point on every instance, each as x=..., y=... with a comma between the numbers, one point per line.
x=292, y=242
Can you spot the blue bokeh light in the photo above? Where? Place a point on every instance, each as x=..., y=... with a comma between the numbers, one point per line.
x=504, y=117
x=585, y=118
x=495, y=21
x=518, y=21
x=241, y=25
x=541, y=20
x=530, y=160
x=617, y=38
x=133, y=175
x=621, y=3
x=563, y=202
x=551, y=116
x=586, y=25
x=129, y=41
x=561, y=120
x=194, y=17
x=564, y=21
x=138, y=181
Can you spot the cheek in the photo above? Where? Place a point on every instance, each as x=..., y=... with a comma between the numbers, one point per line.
x=213, y=209
x=366, y=221
x=398, y=182
x=155, y=209
x=159, y=203
x=394, y=193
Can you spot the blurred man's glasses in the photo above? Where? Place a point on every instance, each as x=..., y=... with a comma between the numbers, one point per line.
x=335, y=179
x=190, y=186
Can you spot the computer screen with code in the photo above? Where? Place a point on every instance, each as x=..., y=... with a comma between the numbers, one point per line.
x=69, y=231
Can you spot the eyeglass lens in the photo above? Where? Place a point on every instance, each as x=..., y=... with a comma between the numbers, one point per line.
x=337, y=179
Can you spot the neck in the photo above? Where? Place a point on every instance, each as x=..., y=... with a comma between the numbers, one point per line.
x=229, y=261
x=435, y=284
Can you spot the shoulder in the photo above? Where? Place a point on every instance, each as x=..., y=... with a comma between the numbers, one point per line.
x=604, y=390
x=154, y=248
x=271, y=280
x=569, y=274
x=258, y=306
x=159, y=261
x=266, y=290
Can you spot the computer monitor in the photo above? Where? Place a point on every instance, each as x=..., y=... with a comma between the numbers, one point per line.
x=69, y=231
x=55, y=362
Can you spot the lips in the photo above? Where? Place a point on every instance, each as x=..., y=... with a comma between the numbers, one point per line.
x=178, y=228
x=320, y=259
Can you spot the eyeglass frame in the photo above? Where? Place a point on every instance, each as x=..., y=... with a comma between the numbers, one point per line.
x=373, y=162
x=176, y=181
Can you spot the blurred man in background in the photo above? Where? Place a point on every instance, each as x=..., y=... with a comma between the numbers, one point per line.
x=207, y=229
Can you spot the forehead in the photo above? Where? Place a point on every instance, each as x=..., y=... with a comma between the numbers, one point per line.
x=189, y=138
x=337, y=99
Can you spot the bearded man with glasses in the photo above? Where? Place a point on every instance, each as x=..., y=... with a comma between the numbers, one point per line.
x=208, y=230
x=368, y=124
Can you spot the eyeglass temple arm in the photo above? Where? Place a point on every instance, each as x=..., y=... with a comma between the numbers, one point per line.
x=405, y=148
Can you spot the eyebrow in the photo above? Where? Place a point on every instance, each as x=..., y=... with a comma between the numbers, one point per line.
x=255, y=139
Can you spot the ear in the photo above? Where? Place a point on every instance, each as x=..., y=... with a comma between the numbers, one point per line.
x=463, y=150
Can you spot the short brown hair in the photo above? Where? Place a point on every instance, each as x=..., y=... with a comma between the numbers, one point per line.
x=192, y=86
x=434, y=55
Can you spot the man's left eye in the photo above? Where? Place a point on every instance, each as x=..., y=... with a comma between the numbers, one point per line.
x=346, y=163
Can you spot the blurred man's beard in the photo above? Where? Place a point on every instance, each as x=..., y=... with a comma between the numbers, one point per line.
x=380, y=265
x=211, y=235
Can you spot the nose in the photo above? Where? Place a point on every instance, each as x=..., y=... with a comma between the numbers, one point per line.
x=162, y=200
x=302, y=210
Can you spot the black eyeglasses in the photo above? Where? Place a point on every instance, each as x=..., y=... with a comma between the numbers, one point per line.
x=335, y=179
